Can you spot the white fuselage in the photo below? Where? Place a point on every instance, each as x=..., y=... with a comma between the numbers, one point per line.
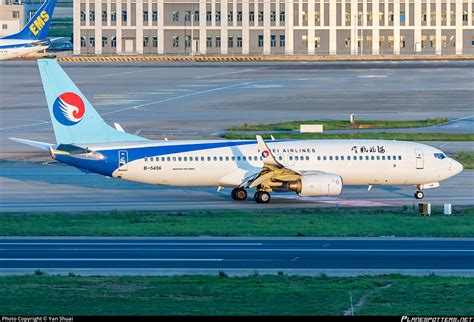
x=357, y=162
x=13, y=48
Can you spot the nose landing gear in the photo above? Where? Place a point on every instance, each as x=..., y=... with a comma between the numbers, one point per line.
x=419, y=194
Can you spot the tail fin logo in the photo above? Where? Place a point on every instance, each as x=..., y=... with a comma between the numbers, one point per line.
x=69, y=109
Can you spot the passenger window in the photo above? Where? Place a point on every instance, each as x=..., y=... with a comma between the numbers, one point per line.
x=383, y=157
x=179, y=159
x=208, y=158
x=307, y=158
x=367, y=157
x=174, y=158
x=280, y=158
x=185, y=158
x=296, y=158
x=168, y=158
x=348, y=158
x=378, y=157
x=319, y=158
x=372, y=157
x=238, y=158
x=220, y=158
x=361, y=158
x=215, y=158
x=227, y=158
x=162, y=159
x=291, y=158
x=233, y=158
x=324, y=158
x=243, y=158
x=399, y=157
x=330, y=158
x=394, y=158
x=389, y=158
x=202, y=158
x=342, y=157
x=337, y=158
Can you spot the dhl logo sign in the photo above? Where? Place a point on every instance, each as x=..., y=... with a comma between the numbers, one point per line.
x=39, y=23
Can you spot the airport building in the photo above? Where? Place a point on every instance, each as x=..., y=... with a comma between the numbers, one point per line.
x=12, y=17
x=273, y=27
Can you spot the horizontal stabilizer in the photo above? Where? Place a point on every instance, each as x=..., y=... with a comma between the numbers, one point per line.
x=36, y=144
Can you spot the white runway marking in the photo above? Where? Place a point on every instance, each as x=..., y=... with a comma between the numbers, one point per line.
x=372, y=76
x=177, y=97
x=25, y=125
x=337, y=201
x=226, y=73
x=133, y=72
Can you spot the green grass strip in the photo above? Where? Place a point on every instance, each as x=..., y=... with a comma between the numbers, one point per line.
x=326, y=221
x=341, y=125
x=466, y=158
x=221, y=295
x=346, y=136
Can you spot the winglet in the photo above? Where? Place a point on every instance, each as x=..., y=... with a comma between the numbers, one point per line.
x=267, y=156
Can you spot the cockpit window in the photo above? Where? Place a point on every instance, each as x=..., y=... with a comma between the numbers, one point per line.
x=440, y=156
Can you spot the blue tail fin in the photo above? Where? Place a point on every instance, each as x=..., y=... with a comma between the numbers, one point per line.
x=37, y=28
x=74, y=119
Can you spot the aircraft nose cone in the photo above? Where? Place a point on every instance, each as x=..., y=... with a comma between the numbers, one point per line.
x=456, y=167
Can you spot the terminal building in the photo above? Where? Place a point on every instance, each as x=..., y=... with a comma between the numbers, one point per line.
x=273, y=27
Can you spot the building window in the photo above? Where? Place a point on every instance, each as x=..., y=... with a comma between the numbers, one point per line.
x=187, y=16
x=155, y=41
x=113, y=16
x=239, y=42
x=239, y=16
x=260, y=40
x=282, y=16
x=347, y=42
x=251, y=16
x=124, y=16
x=273, y=41
x=83, y=42
x=209, y=16
x=218, y=16
x=464, y=16
x=83, y=16
x=402, y=42
x=145, y=16
x=272, y=16
x=196, y=15
x=187, y=41
x=4, y=26
x=92, y=41
x=105, y=42
x=230, y=16
x=304, y=41
x=175, y=15
x=175, y=41
x=16, y=14
x=209, y=42
x=230, y=42
x=218, y=42
x=317, y=42
x=402, y=18
x=260, y=16
x=282, y=40
x=154, y=15
x=104, y=16
x=145, y=41
x=113, y=42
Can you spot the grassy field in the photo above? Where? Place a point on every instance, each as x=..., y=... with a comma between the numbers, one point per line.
x=341, y=125
x=222, y=295
x=294, y=222
x=466, y=158
x=345, y=136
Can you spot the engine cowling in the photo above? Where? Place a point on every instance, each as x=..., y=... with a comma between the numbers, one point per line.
x=318, y=184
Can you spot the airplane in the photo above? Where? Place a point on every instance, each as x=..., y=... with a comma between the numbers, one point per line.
x=32, y=38
x=307, y=167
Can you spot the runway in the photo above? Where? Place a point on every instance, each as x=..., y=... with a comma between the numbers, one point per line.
x=334, y=256
x=50, y=186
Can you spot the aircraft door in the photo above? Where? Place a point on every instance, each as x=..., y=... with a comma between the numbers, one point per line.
x=419, y=159
x=123, y=160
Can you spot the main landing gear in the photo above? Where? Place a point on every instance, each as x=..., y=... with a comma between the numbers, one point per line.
x=260, y=196
x=239, y=194
x=419, y=194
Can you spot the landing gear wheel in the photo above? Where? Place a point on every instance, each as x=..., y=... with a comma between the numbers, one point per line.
x=239, y=194
x=262, y=197
x=419, y=194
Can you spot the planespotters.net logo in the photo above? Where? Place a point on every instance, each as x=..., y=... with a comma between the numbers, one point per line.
x=436, y=319
x=69, y=109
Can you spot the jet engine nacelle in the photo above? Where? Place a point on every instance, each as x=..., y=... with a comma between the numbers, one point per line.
x=318, y=184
